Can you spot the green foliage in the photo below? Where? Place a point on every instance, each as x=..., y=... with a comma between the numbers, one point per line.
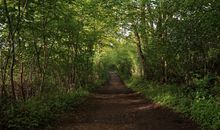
x=117, y=58
x=40, y=111
x=53, y=42
x=178, y=39
x=197, y=105
x=73, y=44
x=206, y=111
x=206, y=85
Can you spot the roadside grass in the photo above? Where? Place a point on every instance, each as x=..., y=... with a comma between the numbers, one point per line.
x=197, y=105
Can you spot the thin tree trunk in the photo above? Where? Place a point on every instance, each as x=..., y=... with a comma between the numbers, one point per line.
x=12, y=71
x=21, y=82
x=141, y=55
x=12, y=43
x=45, y=51
x=3, y=75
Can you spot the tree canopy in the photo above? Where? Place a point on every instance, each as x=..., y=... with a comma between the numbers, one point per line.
x=64, y=45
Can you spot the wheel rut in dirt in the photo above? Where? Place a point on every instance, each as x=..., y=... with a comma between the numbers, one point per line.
x=115, y=107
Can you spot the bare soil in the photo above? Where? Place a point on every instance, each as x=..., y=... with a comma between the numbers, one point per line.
x=115, y=107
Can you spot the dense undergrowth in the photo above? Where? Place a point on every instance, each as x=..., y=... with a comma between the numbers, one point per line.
x=199, y=105
x=39, y=111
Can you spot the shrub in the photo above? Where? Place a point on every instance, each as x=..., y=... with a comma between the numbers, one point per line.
x=40, y=111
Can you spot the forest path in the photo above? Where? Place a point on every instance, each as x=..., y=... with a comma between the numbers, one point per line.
x=114, y=107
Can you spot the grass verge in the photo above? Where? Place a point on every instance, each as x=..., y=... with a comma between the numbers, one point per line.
x=196, y=105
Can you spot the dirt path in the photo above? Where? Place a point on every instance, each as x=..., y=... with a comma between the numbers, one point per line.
x=115, y=107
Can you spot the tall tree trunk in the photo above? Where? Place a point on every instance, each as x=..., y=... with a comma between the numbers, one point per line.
x=12, y=46
x=3, y=75
x=45, y=48
x=143, y=28
x=162, y=34
x=143, y=38
x=140, y=53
